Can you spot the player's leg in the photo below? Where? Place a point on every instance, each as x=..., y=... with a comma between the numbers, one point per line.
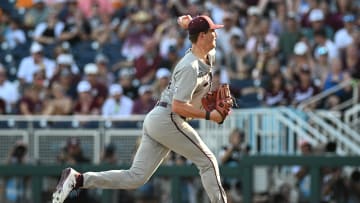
x=147, y=159
x=184, y=140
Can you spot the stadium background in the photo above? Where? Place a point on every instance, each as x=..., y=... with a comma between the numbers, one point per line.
x=292, y=66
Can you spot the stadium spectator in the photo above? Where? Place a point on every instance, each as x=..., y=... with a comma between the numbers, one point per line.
x=182, y=44
x=276, y=93
x=343, y=37
x=321, y=64
x=171, y=58
x=127, y=80
x=105, y=76
x=98, y=90
x=335, y=76
x=65, y=61
x=68, y=81
x=301, y=173
x=316, y=18
x=92, y=8
x=31, y=64
x=48, y=32
x=350, y=59
x=9, y=93
x=24, y=4
x=76, y=28
x=302, y=57
x=334, y=187
x=230, y=155
x=117, y=105
x=72, y=154
x=278, y=21
x=272, y=68
x=30, y=102
x=59, y=103
x=162, y=81
x=86, y=103
x=239, y=63
x=134, y=32
x=230, y=29
x=253, y=20
x=332, y=17
x=14, y=34
x=38, y=13
x=305, y=88
x=109, y=155
x=166, y=33
x=16, y=187
x=147, y=64
x=354, y=186
x=106, y=30
x=288, y=38
x=320, y=39
x=262, y=40
x=145, y=102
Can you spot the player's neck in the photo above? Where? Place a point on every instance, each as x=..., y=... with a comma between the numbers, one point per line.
x=199, y=52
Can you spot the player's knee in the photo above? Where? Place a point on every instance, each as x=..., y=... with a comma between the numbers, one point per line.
x=207, y=164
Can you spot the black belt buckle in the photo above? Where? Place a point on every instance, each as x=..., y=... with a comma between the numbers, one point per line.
x=165, y=105
x=162, y=104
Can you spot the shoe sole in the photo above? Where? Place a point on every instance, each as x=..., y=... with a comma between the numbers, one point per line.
x=59, y=188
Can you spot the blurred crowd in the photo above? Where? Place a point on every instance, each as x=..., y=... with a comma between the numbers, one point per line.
x=113, y=58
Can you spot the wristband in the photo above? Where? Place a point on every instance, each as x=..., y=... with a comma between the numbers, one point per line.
x=207, y=115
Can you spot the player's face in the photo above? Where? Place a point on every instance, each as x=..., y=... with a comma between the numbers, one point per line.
x=210, y=39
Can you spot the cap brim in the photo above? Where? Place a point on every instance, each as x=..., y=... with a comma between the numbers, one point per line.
x=216, y=26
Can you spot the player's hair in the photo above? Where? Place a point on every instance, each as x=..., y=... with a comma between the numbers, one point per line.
x=194, y=37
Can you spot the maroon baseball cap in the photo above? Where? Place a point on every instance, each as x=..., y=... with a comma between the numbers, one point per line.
x=202, y=24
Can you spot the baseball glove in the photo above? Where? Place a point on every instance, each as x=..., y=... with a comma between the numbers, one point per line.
x=219, y=100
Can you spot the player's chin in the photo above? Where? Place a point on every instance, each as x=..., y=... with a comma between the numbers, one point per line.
x=214, y=43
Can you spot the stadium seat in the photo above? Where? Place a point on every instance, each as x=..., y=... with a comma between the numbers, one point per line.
x=113, y=52
x=83, y=53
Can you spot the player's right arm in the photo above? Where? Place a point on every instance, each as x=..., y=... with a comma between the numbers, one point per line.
x=186, y=109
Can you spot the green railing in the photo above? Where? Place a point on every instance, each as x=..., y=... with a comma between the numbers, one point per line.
x=244, y=172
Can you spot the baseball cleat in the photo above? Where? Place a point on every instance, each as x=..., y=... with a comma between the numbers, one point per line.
x=66, y=184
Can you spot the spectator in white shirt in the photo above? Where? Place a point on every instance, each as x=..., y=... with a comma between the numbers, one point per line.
x=343, y=37
x=321, y=40
x=32, y=64
x=14, y=35
x=262, y=39
x=117, y=104
x=229, y=30
x=8, y=91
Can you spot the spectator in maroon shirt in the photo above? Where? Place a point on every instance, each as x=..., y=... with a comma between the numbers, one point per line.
x=305, y=87
x=145, y=102
x=30, y=103
x=86, y=103
x=98, y=90
x=276, y=93
x=147, y=64
x=333, y=19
